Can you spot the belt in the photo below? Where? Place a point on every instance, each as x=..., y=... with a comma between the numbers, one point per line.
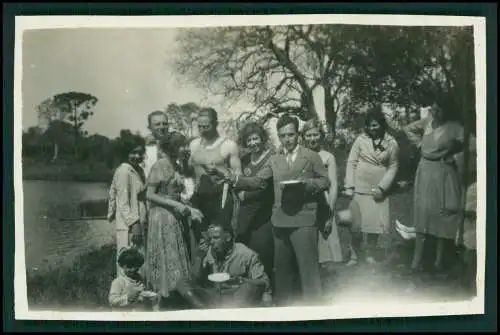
x=445, y=160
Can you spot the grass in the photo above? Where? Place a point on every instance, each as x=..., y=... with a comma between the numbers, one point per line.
x=83, y=286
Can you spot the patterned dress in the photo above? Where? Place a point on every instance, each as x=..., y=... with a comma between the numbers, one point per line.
x=167, y=256
x=371, y=165
x=438, y=191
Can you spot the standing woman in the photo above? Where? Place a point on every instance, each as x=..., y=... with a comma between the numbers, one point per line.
x=438, y=190
x=328, y=241
x=127, y=201
x=167, y=257
x=254, y=227
x=371, y=169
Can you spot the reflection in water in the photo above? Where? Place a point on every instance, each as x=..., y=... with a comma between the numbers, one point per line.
x=50, y=242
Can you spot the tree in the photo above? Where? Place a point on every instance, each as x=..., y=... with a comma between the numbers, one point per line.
x=47, y=114
x=278, y=68
x=76, y=108
x=181, y=117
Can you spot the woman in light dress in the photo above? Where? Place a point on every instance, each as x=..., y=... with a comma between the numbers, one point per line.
x=127, y=201
x=372, y=166
x=438, y=194
x=167, y=257
x=328, y=240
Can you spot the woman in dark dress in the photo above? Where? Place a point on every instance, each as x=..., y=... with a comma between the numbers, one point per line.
x=254, y=227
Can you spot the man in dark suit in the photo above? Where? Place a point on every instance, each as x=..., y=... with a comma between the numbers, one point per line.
x=294, y=211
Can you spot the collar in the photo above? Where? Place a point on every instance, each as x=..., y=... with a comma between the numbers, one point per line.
x=151, y=140
x=285, y=152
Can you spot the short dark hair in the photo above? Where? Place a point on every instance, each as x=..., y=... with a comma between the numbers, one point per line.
x=131, y=258
x=376, y=114
x=157, y=112
x=172, y=142
x=223, y=226
x=287, y=119
x=249, y=129
x=129, y=144
x=210, y=112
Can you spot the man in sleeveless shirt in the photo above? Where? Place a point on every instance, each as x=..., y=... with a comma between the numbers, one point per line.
x=211, y=150
x=158, y=126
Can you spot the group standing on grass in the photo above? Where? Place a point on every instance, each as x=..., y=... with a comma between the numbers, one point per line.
x=185, y=209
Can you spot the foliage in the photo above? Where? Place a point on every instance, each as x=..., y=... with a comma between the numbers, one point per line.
x=279, y=67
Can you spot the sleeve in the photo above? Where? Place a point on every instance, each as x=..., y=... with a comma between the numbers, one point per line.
x=392, y=170
x=256, y=270
x=352, y=162
x=321, y=180
x=259, y=182
x=161, y=171
x=117, y=296
x=123, y=187
x=415, y=130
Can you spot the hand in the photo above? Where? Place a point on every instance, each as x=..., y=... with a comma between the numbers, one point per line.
x=378, y=195
x=203, y=246
x=349, y=192
x=327, y=230
x=134, y=295
x=136, y=232
x=196, y=214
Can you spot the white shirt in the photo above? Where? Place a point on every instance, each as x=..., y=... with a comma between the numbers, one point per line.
x=150, y=158
x=291, y=156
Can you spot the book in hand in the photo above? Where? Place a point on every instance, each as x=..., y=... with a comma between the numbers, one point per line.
x=292, y=196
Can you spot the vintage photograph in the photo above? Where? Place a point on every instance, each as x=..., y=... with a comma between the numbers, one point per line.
x=169, y=165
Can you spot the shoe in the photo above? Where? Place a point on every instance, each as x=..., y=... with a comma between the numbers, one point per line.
x=352, y=262
x=371, y=260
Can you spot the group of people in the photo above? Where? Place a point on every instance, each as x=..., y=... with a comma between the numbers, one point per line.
x=188, y=208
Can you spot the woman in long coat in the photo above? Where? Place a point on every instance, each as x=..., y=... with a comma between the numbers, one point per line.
x=372, y=166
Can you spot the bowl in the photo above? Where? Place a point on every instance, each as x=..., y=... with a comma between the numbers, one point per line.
x=219, y=277
x=149, y=294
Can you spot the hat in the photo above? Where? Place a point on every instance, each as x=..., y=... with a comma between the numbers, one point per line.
x=405, y=232
x=350, y=216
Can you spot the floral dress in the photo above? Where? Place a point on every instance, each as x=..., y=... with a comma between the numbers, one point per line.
x=167, y=256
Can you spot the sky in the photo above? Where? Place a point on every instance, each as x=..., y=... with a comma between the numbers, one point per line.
x=127, y=69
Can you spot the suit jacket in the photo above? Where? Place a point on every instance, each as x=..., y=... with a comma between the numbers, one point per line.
x=298, y=207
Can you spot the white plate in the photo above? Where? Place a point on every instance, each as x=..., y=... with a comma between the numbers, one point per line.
x=149, y=294
x=288, y=182
x=219, y=277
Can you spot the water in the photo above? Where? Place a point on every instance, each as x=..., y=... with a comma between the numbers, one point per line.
x=50, y=242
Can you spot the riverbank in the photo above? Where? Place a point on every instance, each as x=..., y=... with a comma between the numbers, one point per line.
x=83, y=286
x=64, y=171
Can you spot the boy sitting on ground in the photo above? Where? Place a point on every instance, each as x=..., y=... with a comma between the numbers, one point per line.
x=127, y=289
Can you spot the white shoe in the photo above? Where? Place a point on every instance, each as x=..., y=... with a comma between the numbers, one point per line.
x=352, y=262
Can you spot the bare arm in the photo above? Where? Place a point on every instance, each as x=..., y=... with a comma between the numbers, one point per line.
x=162, y=172
x=234, y=157
x=415, y=130
x=332, y=175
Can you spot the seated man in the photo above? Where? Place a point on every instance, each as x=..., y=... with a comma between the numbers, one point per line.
x=248, y=285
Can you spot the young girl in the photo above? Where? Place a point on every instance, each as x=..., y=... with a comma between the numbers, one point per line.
x=127, y=289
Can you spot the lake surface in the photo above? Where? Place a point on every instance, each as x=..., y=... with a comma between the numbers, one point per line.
x=50, y=242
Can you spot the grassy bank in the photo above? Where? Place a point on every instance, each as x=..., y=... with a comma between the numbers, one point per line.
x=83, y=286
x=66, y=171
